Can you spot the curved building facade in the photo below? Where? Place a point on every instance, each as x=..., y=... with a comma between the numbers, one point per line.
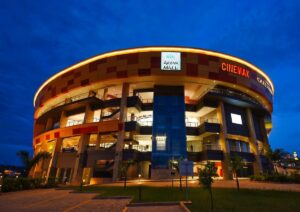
x=152, y=105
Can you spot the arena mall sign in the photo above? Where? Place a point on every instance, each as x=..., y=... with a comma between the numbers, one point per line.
x=170, y=61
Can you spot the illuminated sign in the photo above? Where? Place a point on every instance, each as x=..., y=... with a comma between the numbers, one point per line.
x=170, y=61
x=235, y=69
x=264, y=83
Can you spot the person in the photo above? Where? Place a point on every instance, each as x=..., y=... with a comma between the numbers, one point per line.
x=65, y=179
x=192, y=148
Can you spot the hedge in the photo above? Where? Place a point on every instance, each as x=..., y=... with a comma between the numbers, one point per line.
x=277, y=177
x=18, y=184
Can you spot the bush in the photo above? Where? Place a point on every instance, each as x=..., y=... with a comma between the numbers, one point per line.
x=52, y=182
x=294, y=177
x=17, y=184
x=276, y=177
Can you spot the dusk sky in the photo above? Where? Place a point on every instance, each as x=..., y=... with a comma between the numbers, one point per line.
x=39, y=38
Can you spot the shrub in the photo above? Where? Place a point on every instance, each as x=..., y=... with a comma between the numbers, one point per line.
x=276, y=177
x=52, y=182
x=294, y=177
x=17, y=184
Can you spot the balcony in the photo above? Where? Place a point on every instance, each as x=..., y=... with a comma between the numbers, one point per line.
x=109, y=154
x=209, y=126
x=203, y=103
x=209, y=152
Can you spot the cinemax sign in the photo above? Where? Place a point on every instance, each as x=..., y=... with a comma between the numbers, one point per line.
x=170, y=61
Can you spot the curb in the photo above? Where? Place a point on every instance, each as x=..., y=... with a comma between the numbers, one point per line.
x=182, y=205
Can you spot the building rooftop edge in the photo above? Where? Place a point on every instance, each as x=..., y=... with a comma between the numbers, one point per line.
x=153, y=49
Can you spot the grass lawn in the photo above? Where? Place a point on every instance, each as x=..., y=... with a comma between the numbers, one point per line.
x=224, y=199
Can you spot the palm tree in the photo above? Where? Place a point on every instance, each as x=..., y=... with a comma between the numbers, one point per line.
x=206, y=179
x=123, y=169
x=29, y=163
x=236, y=165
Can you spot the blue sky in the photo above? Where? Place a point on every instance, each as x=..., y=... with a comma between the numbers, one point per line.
x=39, y=38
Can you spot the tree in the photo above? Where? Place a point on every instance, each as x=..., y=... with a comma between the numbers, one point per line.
x=175, y=164
x=236, y=165
x=275, y=156
x=206, y=179
x=29, y=163
x=123, y=168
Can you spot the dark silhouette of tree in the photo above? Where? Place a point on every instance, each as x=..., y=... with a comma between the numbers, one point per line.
x=236, y=165
x=275, y=156
x=30, y=162
x=123, y=169
x=206, y=179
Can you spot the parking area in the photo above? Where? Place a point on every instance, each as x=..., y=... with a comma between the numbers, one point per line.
x=57, y=200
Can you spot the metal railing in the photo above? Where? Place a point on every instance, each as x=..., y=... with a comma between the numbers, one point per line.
x=145, y=123
x=192, y=124
x=211, y=147
x=210, y=120
x=73, y=122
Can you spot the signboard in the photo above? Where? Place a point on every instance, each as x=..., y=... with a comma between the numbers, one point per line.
x=238, y=70
x=186, y=168
x=170, y=61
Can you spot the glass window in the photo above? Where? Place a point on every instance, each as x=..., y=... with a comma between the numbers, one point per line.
x=70, y=144
x=236, y=118
x=160, y=143
x=75, y=119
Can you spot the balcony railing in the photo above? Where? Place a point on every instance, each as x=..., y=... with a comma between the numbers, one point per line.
x=70, y=149
x=206, y=147
x=210, y=120
x=192, y=124
x=73, y=122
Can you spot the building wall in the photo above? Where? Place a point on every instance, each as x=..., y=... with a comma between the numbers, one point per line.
x=169, y=111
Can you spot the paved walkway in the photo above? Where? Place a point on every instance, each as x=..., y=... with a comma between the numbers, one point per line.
x=57, y=200
x=244, y=183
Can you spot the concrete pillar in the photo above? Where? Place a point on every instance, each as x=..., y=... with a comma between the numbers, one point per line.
x=265, y=136
x=63, y=119
x=227, y=175
x=253, y=143
x=89, y=114
x=121, y=133
x=49, y=124
x=52, y=164
x=98, y=141
x=80, y=159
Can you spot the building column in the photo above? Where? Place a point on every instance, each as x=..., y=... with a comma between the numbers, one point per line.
x=63, y=119
x=89, y=114
x=80, y=159
x=49, y=124
x=227, y=175
x=121, y=132
x=257, y=167
x=52, y=164
x=265, y=137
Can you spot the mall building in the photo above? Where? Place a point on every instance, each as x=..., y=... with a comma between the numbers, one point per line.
x=152, y=105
